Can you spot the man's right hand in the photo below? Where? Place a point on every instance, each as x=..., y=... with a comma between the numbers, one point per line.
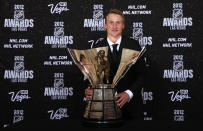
x=88, y=93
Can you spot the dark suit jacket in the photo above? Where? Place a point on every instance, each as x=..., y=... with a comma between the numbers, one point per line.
x=133, y=80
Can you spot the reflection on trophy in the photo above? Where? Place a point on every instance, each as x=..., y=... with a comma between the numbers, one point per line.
x=94, y=64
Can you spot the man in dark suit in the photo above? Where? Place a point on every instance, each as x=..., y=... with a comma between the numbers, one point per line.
x=128, y=95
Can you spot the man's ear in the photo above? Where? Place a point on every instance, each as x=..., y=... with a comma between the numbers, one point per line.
x=123, y=26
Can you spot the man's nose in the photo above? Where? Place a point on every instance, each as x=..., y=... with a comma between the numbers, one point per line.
x=114, y=25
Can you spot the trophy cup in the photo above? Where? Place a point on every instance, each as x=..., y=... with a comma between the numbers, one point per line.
x=102, y=109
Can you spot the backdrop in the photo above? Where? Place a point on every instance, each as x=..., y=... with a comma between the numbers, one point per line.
x=39, y=81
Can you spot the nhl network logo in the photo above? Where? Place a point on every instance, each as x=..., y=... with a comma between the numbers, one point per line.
x=58, y=92
x=177, y=22
x=58, y=40
x=178, y=74
x=138, y=34
x=19, y=23
x=97, y=23
x=60, y=7
x=19, y=74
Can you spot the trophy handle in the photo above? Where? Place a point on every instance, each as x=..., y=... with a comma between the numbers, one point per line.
x=78, y=63
x=128, y=66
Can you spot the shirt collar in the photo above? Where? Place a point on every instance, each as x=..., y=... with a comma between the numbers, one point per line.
x=111, y=43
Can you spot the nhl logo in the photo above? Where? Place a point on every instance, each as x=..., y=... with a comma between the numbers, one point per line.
x=58, y=31
x=19, y=15
x=137, y=33
x=58, y=83
x=178, y=65
x=19, y=66
x=177, y=13
x=98, y=14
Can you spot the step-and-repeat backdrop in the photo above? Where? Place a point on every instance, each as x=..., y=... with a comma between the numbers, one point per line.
x=39, y=80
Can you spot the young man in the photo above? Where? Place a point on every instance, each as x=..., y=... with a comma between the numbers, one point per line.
x=128, y=97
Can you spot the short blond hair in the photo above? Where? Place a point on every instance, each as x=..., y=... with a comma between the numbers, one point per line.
x=115, y=11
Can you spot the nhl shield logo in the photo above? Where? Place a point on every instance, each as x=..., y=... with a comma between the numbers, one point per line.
x=58, y=83
x=137, y=33
x=177, y=13
x=178, y=65
x=19, y=15
x=58, y=31
x=19, y=66
x=98, y=14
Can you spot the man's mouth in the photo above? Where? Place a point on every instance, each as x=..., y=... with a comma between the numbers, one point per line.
x=114, y=30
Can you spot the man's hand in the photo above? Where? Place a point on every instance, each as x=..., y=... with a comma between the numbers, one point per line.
x=122, y=98
x=88, y=93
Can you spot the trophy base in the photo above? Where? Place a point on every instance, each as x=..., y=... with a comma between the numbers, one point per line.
x=102, y=110
x=102, y=124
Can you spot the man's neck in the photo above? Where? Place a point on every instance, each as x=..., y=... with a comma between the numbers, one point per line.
x=113, y=39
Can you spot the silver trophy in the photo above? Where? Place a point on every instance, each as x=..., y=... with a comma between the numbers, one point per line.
x=94, y=64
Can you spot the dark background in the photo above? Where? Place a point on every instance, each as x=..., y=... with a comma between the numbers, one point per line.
x=160, y=109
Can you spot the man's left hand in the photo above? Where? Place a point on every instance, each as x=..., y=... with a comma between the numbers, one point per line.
x=122, y=98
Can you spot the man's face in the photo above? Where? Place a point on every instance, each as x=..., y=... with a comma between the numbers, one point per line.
x=114, y=25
